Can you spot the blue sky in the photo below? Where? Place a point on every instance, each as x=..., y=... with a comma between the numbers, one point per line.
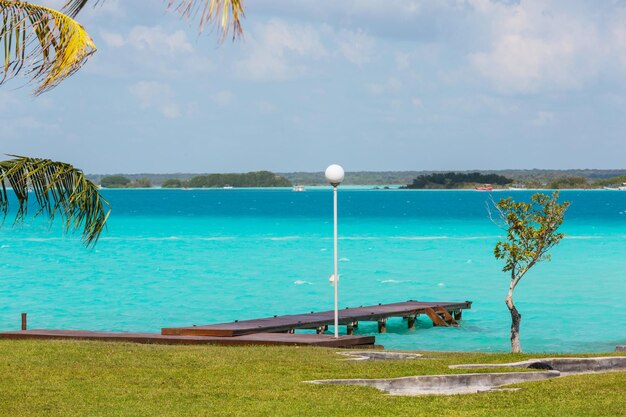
x=370, y=84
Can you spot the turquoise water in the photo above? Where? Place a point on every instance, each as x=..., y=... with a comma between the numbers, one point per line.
x=176, y=257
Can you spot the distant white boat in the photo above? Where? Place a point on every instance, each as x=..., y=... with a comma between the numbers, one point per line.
x=620, y=188
x=298, y=188
x=517, y=187
x=227, y=187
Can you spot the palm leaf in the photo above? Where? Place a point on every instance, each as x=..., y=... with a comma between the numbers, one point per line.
x=73, y=7
x=58, y=189
x=224, y=14
x=46, y=45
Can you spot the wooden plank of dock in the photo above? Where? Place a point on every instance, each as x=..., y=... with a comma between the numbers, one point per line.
x=348, y=316
x=156, y=338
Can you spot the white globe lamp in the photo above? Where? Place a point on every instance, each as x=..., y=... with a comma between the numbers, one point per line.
x=334, y=174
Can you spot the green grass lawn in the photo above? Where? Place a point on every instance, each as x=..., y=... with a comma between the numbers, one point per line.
x=58, y=378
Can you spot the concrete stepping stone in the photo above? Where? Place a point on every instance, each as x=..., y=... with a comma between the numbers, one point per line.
x=564, y=365
x=379, y=356
x=444, y=384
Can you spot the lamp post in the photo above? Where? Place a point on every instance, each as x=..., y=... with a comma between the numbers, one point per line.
x=334, y=175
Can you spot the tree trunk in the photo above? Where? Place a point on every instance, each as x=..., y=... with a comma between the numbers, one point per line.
x=516, y=317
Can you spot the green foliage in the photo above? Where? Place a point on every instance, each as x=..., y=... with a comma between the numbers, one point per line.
x=619, y=180
x=58, y=189
x=141, y=183
x=120, y=181
x=57, y=378
x=456, y=180
x=172, y=183
x=569, y=182
x=114, y=181
x=531, y=231
x=532, y=178
x=250, y=179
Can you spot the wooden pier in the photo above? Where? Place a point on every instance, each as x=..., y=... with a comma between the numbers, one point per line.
x=441, y=314
x=276, y=330
x=283, y=339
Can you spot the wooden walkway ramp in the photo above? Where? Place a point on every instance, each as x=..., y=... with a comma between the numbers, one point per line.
x=441, y=314
x=156, y=338
x=276, y=330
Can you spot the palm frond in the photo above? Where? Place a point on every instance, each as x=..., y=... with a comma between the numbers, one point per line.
x=58, y=189
x=44, y=44
x=225, y=15
x=73, y=7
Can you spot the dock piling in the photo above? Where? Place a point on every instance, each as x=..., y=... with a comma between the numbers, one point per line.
x=382, y=325
x=24, y=324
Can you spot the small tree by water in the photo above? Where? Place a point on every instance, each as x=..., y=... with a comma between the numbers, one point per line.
x=531, y=232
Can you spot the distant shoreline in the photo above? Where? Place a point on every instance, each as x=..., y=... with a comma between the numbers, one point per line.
x=361, y=188
x=531, y=178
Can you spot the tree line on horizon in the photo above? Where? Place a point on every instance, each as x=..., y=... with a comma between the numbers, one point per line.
x=120, y=181
x=452, y=180
x=249, y=179
x=459, y=180
x=531, y=178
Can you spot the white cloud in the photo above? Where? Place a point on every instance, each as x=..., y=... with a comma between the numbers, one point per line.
x=377, y=8
x=357, y=47
x=223, y=98
x=543, y=118
x=156, y=40
x=22, y=127
x=538, y=46
x=155, y=95
x=114, y=40
x=153, y=50
x=109, y=8
x=618, y=37
x=391, y=85
x=266, y=107
x=279, y=50
x=166, y=53
x=403, y=61
x=170, y=110
x=393, y=9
